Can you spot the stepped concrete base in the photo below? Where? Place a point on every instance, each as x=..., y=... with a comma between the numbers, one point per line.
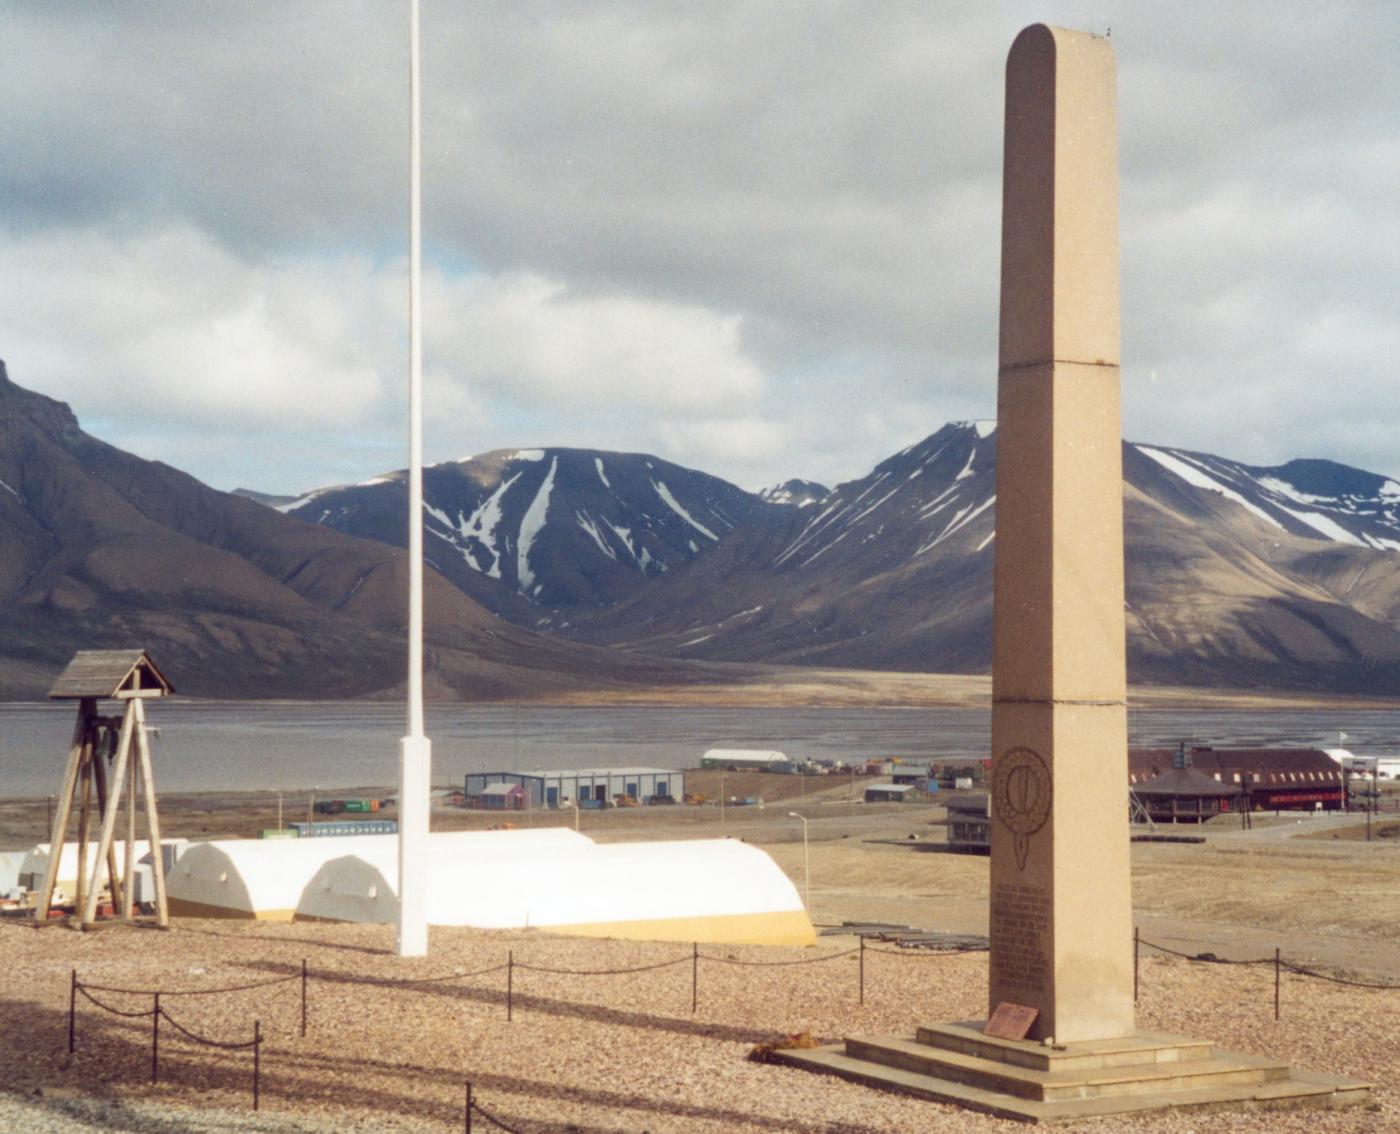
x=956, y=1063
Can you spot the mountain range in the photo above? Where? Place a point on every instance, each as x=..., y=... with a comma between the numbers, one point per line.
x=99, y=548
x=559, y=570
x=1237, y=575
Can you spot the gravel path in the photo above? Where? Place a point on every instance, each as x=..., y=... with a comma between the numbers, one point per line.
x=584, y=1054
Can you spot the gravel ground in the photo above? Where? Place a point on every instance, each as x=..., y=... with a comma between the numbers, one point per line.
x=585, y=1053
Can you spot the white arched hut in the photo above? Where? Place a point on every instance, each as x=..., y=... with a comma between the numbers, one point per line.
x=711, y=890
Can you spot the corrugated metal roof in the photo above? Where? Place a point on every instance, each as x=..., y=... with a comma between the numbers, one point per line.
x=588, y=773
x=1186, y=782
x=105, y=673
x=1144, y=763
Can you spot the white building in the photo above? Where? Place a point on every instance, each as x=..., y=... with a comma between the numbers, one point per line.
x=709, y=890
x=741, y=759
x=589, y=786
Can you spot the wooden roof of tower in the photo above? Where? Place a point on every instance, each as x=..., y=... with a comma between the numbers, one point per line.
x=110, y=675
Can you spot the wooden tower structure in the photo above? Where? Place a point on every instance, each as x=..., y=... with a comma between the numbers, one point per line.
x=110, y=754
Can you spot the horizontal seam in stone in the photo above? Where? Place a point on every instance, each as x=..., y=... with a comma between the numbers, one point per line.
x=1047, y=700
x=1057, y=362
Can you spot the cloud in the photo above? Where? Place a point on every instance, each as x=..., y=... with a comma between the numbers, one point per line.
x=727, y=442
x=525, y=337
x=167, y=325
x=650, y=218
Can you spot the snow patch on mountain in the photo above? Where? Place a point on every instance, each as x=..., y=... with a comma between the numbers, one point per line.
x=625, y=535
x=10, y=490
x=1283, y=488
x=598, y=464
x=967, y=468
x=1194, y=476
x=302, y=501
x=1330, y=528
x=796, y=492
x=960, y=520
x=675, y=506
x=530, y=526
x=527, y=455
x=482, y=525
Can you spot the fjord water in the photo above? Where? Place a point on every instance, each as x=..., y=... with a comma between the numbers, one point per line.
x=250, y=746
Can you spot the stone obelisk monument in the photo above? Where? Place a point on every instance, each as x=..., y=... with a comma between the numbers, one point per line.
x=1061, y=965
x=1061, y=900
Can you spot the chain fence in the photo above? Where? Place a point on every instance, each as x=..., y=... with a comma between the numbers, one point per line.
x=156, y=1014
x=96, y=994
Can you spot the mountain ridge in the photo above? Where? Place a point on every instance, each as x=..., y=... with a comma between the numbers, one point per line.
x=99, y=548
x=561, y=569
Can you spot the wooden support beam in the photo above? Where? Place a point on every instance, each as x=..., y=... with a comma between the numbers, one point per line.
x=110, y=804
x=62, y=811
x=129, y=891
x=80, y=889
x=143, y=747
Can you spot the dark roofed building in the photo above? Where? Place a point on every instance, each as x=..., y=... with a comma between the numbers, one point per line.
x=1182, y=794
x=1265, y=779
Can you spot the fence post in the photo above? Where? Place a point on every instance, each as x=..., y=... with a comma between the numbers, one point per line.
x=1277, y=966
x=257, y=1060
x=510, y=985
x=468, y=1126
x=694, y=977
x=72, y=1011
x=1137, y=940
x=303, y=998
x=155, y=1038
x=862, y=971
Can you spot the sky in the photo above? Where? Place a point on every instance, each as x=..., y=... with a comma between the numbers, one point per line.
x=760, y=239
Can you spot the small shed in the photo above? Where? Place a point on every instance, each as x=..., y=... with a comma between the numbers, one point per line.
x=890, y=793
x=970, y=824
x=502, y=797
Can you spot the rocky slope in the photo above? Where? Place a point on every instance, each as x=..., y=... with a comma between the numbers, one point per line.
x=540, y=534
x=99, y=548
x=1237, y=575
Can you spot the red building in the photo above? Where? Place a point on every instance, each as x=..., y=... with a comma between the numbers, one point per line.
x=1269, y=779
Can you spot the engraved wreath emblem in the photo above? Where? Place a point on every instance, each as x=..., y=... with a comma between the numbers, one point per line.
x=1021, y=796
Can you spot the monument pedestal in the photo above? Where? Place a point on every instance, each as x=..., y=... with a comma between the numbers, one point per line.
x=1033, y=1082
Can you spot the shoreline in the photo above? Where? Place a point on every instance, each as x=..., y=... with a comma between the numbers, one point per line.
x=840, y=688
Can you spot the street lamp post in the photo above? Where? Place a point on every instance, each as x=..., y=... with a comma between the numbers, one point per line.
x=806, y=865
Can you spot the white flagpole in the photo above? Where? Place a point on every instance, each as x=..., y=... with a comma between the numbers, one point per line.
x=415, y=750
